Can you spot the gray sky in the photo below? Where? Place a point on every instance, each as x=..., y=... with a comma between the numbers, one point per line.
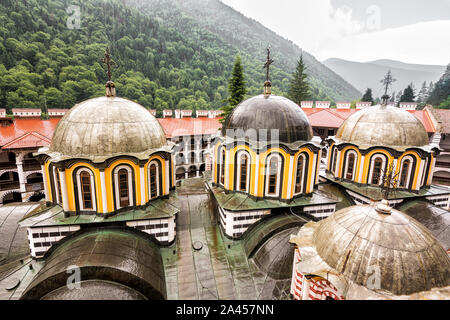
x=412, y=31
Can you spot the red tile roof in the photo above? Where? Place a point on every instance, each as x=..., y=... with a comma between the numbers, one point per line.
x=189, y=126
x=20, y=127
x=28, y=140
x=319, y=118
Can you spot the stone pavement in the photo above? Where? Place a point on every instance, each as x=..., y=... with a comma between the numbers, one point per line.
x=220, y=270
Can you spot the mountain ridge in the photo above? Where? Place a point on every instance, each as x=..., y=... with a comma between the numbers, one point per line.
x=365, y=75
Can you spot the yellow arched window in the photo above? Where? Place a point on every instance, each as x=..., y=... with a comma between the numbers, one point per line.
x=243, y=172
x=351, y=159
x=86, y=191
x=222, y=168
x=376, y=173
x=334, y=161
x=404, y=174
x=124, y=198
x=154, y=180
x=299, y=174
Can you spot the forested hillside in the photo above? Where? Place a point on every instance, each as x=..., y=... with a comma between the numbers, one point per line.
x=197, y=18
x=46, y=64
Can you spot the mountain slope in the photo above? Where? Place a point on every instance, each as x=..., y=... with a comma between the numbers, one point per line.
x=251, y=39
x=368, y=75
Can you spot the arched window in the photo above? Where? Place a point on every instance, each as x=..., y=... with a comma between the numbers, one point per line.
x=243, y=174
x=123, y=188
x=86, y=191
x=300, y=174
x=351, y=163
x=334, y=161
x=154, y=180
x=404, y=173
x=57, y=180
x=273, y=175
x=424, y=173
x=376, y=171
x=123, y=185
x=222, y=168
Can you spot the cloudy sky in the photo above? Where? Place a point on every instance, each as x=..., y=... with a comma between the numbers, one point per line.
x=412, y=31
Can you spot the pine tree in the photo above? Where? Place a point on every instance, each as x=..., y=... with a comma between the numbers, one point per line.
x=299, y=89
x=441, y=89
x=408, y=94
x=422, y=95
x=367, y=97
x=398, y=97
x=392, y=100
x=236, y=89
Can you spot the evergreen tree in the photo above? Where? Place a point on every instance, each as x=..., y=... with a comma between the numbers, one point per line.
x=367, y=97
x=441, y=90
x=408, y=94
x=236, y=88
x=392, y=100
x=299, y=89
x=422, y=95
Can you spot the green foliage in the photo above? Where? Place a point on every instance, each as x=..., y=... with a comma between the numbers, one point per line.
x=164, y=58
x=299, y=89
x=445, y=104
x=367, y=97
x=438, y=95
x=236, y=88
x=408, y=94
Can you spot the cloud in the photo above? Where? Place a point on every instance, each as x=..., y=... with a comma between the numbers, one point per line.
x=326, y=31
x=424, y=42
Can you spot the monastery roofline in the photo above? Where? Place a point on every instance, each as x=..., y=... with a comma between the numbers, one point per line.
x=56, y=157
x=427, y=148
x=261, y=145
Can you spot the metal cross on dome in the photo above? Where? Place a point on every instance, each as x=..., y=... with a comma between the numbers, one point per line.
x=109, y=62
x=387, y=82
x=268, y=63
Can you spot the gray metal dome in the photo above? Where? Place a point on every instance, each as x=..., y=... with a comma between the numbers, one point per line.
x=270, y=113
x=107, y=126
x=383, y=126
x=355, y=240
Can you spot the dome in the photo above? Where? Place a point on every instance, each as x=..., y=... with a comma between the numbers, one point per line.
x=356, y=240
x=271, y=113
x=107, y=126
x=383, y=126
x=124, y=258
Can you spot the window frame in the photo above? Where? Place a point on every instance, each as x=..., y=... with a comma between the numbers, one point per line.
x=80, y=186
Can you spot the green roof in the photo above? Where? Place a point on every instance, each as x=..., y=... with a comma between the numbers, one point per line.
x=376, y=193
x=54, y=216
x=235, y=201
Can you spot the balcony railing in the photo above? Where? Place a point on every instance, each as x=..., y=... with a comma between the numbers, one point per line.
x=31, y=167
x=440, y=164
x=9, y=185
x=30, y=187
x=7, y=165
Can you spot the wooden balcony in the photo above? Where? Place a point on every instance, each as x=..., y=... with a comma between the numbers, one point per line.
x=4, y=186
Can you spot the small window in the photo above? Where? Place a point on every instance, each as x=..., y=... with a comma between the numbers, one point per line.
x=350, y=166
x=376, y=173
x=333, y=161
x=58, y=186
x=153, y=181
x=222, y=168
x=273, y=176
x=86, y=190
x=299, y=175
x=404, y=173
x=243, y=172
x=123, y=188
